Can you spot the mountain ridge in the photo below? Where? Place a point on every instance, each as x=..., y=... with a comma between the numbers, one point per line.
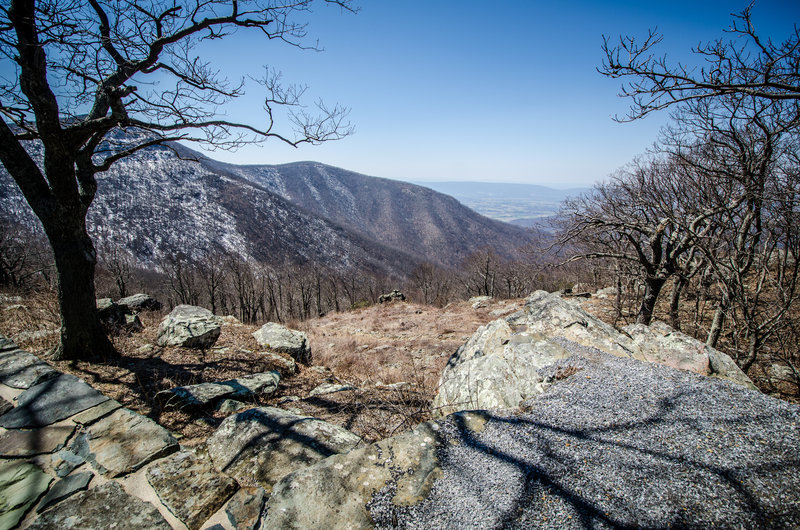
x=155, y=204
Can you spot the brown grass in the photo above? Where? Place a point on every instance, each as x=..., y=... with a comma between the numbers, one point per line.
x=370, y=348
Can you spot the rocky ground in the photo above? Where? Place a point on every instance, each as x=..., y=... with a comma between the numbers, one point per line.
x=586, y=427
x=392, y=354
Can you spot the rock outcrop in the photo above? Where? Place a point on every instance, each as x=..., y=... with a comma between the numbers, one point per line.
x=190, y=327
x=501, y=364
x=395, y=295
x=663, y=345
x=284, y=340
x=614, y=442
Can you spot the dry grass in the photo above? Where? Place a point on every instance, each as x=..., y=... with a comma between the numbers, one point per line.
x=370, y=348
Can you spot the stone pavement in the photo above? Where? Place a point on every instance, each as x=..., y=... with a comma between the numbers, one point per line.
x=71, y=457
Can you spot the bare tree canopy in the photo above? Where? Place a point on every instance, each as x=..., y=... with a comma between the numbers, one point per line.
x=744, y=64
x=86, y=69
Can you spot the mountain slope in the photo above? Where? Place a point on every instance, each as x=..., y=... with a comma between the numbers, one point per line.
x=427, y=224
x=155, y=205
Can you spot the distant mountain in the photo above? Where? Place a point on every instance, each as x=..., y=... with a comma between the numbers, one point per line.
x=519, y=204
x=429, y=225
x=155, y=204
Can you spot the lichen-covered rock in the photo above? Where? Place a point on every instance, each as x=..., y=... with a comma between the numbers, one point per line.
x=20, y=369
x=551, y=316
x=244, y=508
x=190, y=327
x=335, y=492
x=284, y=340
x=259, y=446
x=190, y=487
x=204, y=395
x=663, y=345
x=495, y=369
x=329, y=388
x=106, y=506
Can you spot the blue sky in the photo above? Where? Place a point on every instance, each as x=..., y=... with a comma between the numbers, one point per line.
x=502, y=91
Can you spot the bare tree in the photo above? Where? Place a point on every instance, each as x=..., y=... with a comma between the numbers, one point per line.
x=86, y=70
x=650, y=214
x=745, y=64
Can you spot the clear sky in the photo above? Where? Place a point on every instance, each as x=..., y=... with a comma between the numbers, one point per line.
x=486, y=91
x=503, y=90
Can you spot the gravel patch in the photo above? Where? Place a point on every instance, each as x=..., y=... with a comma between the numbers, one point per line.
x=617, y=444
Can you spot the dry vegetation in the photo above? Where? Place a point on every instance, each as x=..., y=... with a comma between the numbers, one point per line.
x=392, y=353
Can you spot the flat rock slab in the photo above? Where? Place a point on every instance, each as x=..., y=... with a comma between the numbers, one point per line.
x=204, y=395
x=21, y=485
x=123, y=442
x=20, y=369
x=7, y=344
x=95, y=413
x=190, y=487
x=51, y=401
x=259, y=446
x=64, y=488
x=5, y=406
x=107, y=506
x=244, y=508
x=19, y=442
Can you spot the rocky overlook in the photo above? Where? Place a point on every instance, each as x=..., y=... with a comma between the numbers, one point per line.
x=560, y=421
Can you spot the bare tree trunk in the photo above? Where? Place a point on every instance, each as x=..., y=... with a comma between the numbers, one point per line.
x=716, y=327
x=82, y=334
x=652, y=288
x=674, y=302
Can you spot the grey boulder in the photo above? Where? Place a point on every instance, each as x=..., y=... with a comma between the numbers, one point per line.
x=284, y=340
x=205, y=395
x=139, y=302
x=663, y=345
x=190, y=327
x=495, y=369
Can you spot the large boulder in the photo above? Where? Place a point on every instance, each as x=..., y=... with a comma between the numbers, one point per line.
x=495, y=369
x=259, y=446
x=284, y=340
x=501, y=364
x=117, y=318
x=618, y=443
x=190, y=327
x=549, y=315
x=139, y=302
